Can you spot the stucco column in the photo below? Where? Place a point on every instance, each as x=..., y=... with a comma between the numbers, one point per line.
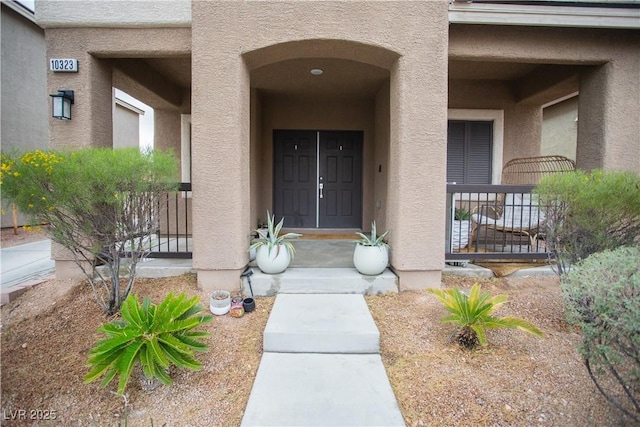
x=522, y=132
x=167, y=126
x=417, y=172
x=91, y=114
x=220, y=156
x=609, y=108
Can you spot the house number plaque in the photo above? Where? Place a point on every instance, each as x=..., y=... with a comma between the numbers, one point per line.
x=63, y=65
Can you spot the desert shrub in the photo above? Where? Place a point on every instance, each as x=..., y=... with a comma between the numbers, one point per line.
x=589, y=212
x=602, y=295
x=100, y=204
x=151, y=336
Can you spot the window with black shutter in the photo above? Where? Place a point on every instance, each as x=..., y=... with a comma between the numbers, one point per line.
x=469, y=151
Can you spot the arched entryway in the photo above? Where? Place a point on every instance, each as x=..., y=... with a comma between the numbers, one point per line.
x=316, y=139
x=389, y=85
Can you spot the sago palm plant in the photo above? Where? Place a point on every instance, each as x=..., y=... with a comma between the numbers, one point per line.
x=155, y=336
x=472, y=315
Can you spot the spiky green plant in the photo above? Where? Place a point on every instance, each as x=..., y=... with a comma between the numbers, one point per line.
x=155, y=336
x=271, y=238
x=373, y=239
x=472, y=315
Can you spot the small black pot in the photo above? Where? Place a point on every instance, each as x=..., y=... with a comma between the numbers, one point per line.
x=249, y=304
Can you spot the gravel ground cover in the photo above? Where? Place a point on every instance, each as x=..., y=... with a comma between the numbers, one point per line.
x=517, y=380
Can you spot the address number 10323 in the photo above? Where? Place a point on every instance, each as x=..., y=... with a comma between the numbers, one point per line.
x=63, y=65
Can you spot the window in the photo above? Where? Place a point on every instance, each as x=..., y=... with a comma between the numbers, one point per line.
x=469, y=151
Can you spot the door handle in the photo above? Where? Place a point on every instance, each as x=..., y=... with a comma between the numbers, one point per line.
x=321, y=187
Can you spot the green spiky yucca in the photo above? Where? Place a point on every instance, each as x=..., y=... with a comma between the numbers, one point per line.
x=472, y=315
x=155, y=336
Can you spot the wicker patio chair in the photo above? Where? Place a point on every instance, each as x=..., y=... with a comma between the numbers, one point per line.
x=519, y=213
x=530, y=170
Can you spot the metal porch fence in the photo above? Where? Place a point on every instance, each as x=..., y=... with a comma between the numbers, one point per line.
x=173, y=236
x=498, y=222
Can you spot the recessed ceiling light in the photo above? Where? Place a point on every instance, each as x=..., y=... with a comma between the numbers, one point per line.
x=316, y=71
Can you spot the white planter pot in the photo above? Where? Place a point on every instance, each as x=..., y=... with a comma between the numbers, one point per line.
x=273, y=262
x=370, y=260
x=460, y=234
x=220, y=302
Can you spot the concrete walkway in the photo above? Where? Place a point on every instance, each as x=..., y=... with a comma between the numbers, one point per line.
x=23, y=266
x=321, y=366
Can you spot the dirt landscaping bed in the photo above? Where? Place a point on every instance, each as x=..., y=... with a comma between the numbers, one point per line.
x=518, y=380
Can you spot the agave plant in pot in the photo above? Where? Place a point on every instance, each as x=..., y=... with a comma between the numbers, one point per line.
x=150, y=337
x=371, y=255
x=461, y=228
x=273, y=251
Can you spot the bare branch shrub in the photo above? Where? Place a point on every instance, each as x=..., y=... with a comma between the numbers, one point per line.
x=100, y=204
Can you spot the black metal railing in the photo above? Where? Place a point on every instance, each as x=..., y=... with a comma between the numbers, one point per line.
x=494, y=222
x=173, y=237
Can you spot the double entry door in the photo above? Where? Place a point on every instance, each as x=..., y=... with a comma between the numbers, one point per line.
x=318, y=178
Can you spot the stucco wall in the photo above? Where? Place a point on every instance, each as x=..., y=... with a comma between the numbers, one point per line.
x=98, y=13
x=126, y=127
x=522, y=123
x=258, y=166
x=609, y=81
x=25, y=102
x=409, y=40
x=91, y=124
x=559, y=129
x=381, y=157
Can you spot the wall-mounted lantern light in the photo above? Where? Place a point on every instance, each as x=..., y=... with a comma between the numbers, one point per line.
x=61, y=104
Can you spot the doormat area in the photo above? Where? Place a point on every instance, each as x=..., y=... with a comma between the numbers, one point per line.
x=333, y=236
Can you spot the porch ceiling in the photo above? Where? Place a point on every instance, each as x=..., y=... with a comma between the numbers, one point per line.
x=339, y=78
x=485, y=70
x=177, y=70
x=532, y=83
x=353, y=79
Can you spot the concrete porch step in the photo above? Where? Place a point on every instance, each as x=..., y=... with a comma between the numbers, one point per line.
x=322, y=390
x=322, y=323
x=159, y=267
x=319, y=281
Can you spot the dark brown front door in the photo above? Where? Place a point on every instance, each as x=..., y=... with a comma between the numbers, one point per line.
x=318, y=178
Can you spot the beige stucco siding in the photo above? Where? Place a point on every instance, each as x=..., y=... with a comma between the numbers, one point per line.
x=126, y=127
x=399, y=67
x=608, y=70
x=92, y=111
x=415, y=55
x=560, y=129
x=97, y=13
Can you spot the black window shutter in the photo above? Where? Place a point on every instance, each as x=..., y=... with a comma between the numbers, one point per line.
x=455, y=152
x=469, y=152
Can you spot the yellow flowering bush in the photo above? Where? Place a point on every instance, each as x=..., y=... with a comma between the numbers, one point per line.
x=25, y=178
x=98, y=203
